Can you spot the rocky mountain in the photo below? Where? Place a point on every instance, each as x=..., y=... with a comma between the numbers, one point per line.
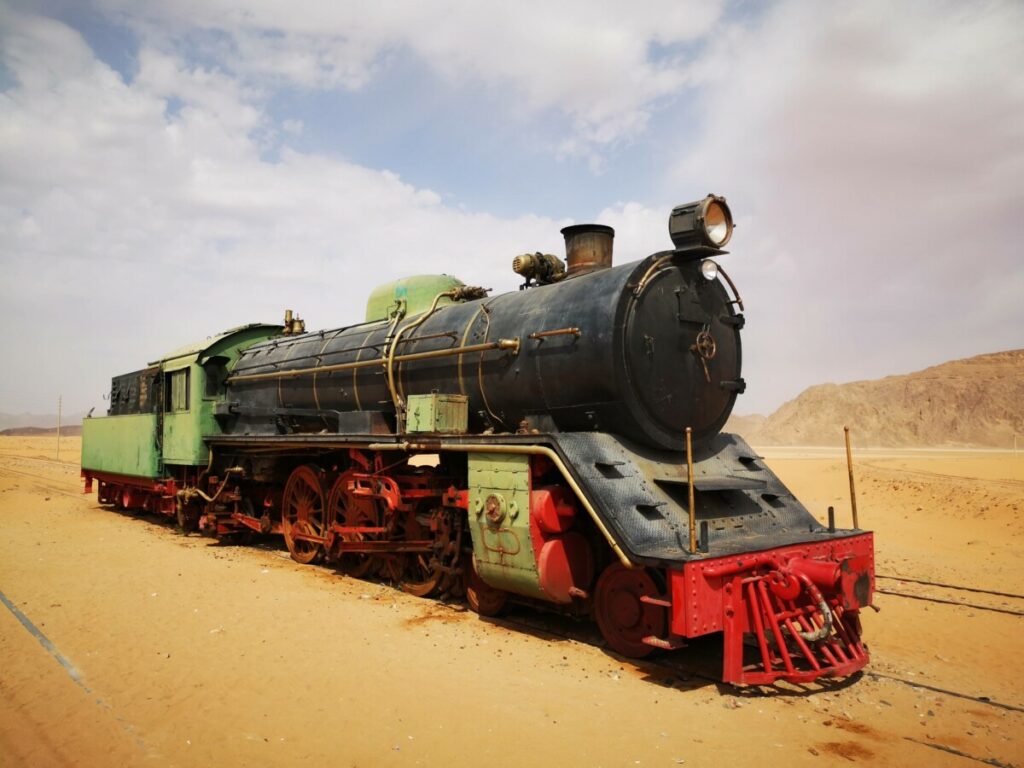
x=18, y=420
x=978, y=401
x=745, y=425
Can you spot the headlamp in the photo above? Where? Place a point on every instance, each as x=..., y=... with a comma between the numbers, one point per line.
x=709, y=269
x=704, y=226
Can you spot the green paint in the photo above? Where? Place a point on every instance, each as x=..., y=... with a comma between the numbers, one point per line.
x=184, y=431
x=413, y=294
x=125, y=445
x=128, y=444
x=503, y=551
x=447, y=414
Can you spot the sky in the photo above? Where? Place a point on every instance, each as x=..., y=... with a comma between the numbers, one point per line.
x=172, y=169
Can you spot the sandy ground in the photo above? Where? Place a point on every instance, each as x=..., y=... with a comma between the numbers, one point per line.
x=187, y=653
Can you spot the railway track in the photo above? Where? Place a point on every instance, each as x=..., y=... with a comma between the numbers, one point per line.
x=685, y=670
x=924, y=475
x=954, y=588
x=52, y=483
x=40, y=460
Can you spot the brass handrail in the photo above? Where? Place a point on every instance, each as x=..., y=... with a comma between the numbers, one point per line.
x=508, y=344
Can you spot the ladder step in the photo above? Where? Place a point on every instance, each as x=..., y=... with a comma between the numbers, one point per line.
x=671, y=644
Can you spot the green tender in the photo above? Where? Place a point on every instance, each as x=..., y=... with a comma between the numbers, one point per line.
x=123, y=445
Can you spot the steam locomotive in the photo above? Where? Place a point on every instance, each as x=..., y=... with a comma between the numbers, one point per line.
x=559, y=445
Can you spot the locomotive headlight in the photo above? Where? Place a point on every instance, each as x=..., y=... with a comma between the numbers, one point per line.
x=701, y=226
x=709, y=269
x=717, y=223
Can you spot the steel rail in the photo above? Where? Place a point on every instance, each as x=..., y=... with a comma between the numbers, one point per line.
x=941, y=601
x=949, y=586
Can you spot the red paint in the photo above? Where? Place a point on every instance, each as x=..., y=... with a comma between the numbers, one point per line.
x=564, y=558
x=553, y=509
x=774, y=596
x=129, y=492
x=565, y=563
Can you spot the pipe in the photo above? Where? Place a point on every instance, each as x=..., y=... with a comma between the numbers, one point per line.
x=189, y=493
x=826, y=613
x=509, y=344
x=849, y=468
x=539, y=335
x=689, y=477
x=655, y=266
x=732, y=285
x=396, y=399
x=531, y=450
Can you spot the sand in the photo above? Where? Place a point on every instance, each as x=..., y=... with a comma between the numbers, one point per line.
x=189, y=653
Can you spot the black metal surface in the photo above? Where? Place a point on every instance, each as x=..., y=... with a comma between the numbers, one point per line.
x=135, y=392
x=641, y=494
x=631, y=371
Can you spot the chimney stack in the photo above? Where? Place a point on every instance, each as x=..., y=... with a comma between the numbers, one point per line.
x=588, y=248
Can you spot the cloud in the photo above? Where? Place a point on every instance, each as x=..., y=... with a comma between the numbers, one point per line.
x=604, y=66
x=875, y=164
x=873, y=161
x=136, y=216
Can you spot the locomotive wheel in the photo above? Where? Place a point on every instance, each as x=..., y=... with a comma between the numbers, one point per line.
x=414, y=574
x=417, y=573
x=346, y=511
x=623, y=619
x=302, y=511
x=483, y=599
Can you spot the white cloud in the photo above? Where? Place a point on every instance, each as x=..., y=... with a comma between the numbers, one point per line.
x=134, y=217
x=873, y=160
x=591, y=62
x=880, y=156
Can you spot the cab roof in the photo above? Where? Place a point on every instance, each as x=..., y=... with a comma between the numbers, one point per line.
x=199, y=349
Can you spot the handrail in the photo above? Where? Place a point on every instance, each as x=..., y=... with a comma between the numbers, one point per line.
x=508, y=344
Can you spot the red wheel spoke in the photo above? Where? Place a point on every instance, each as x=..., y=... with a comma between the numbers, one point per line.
x=302, y=507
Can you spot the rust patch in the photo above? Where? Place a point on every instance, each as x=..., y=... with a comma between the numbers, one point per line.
x=850, y=750
x=445, y=616
x=852, y=726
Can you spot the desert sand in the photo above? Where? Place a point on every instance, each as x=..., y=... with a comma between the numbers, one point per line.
x=183, y=652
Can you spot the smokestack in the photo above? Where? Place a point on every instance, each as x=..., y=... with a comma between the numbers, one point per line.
x=588, y=247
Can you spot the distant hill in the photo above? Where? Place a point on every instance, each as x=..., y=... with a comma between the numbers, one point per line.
x=71, y=430
x=745, y=425
x=44, y=420
x=978, y=401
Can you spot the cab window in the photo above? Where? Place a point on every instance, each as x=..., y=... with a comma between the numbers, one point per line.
x=215, y=370
x=177, y=390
